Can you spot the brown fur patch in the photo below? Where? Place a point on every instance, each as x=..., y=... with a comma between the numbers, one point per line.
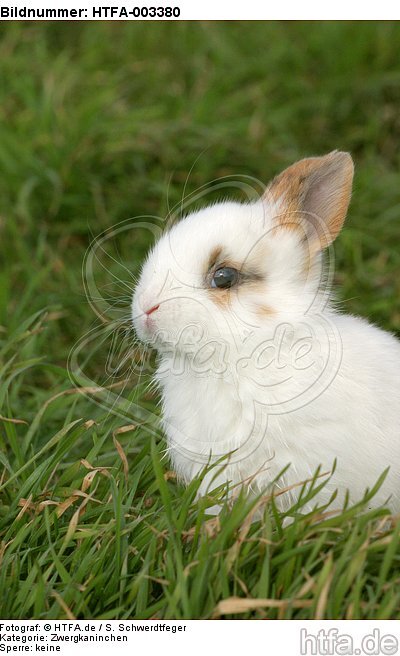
x=214, y=257
x=221, y=297
x=265, y=311
x=248, y=270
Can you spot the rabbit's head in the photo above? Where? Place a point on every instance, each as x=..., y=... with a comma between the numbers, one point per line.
x=232, y=269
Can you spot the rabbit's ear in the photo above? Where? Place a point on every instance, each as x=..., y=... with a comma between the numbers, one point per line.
x=314, y=194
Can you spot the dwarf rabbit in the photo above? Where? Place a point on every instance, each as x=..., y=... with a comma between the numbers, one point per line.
x=254, y=360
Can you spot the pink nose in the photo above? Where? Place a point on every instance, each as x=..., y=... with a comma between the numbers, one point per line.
x=151, y=310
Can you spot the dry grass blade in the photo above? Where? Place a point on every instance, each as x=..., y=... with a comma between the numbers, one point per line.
x=14, y=421
x=210, y=527
x=123, y=457
x=236, y=605
x=69, y=614
x=324, y=596
x=125, y=429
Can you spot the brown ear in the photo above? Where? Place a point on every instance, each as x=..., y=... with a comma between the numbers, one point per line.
x=314, y=194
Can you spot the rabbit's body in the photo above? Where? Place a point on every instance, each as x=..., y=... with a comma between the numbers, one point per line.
x=355, y=420
x=254, y=362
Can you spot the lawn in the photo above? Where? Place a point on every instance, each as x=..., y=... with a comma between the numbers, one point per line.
x=105, y=122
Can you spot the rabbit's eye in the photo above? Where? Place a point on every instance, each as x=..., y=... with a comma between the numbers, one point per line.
x=224, y=278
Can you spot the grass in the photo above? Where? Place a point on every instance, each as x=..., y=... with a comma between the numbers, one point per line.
x=101, y=122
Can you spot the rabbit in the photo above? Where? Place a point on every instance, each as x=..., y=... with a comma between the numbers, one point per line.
x=257, y=368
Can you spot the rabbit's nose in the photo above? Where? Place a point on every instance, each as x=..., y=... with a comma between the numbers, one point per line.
x=152, y=309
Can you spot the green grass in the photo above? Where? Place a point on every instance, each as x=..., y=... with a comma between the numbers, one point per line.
x=101, y=122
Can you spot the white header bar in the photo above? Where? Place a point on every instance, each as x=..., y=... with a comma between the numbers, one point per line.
x=171, y=10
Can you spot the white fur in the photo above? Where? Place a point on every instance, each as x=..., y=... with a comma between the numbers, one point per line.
x=251, y=398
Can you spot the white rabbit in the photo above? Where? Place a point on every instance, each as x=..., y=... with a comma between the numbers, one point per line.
x=254, y=359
